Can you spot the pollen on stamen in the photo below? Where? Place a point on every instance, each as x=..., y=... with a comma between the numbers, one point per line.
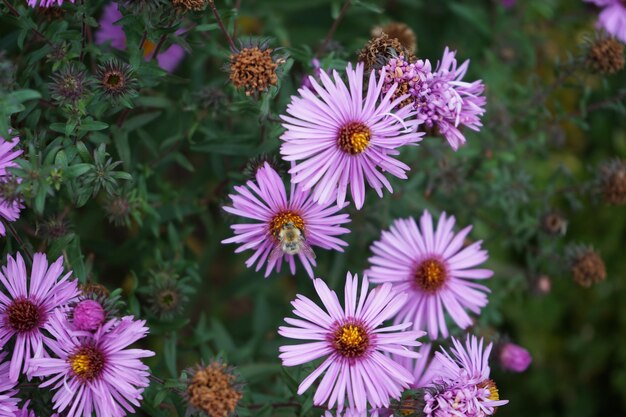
x=354, y=138
x=351, y=340
x=430, y=275
x=283, y=218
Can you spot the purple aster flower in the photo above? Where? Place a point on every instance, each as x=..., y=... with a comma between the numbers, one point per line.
x=514, y=357
x=46, y=3
x=612, y=17
x=443, y=101
x=10, y=206
x=434, y=269
x=283, y=228
x=342, y=138
x=95, y=373
x=110, y=32
x=421, y=368
x=29, y=305
x=462, y=386
x=353, y=344
x=8, y=398
x=88, y=315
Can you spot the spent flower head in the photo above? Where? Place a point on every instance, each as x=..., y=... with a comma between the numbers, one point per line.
x=213, y=389
x=586, y=265
x=253, y=69
x=116, y=80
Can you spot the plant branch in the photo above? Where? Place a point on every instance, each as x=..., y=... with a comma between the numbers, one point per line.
x=231, y=43
x=19, y=240
x=333, y=28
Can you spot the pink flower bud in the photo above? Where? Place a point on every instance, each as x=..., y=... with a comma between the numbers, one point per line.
x=514, y=358
x=88, y=315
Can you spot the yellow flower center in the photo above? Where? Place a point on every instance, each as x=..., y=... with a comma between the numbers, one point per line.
x=354, y=138
x=430, y=275
x=494, y=395
x=351, y=340
x=281, y=219
x=87, y=363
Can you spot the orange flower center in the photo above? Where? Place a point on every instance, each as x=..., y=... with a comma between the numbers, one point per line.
x=281, y=219
x=354, y=138
x=430, y=275
x=351, y=340
x=87, y=363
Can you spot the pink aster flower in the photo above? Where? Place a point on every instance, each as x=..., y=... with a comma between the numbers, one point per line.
x=353, y=344
x=25, y=311
x=612, y=17
x=344, y=139
x=8, y=398
x=95, y=373
x=109, y=31
x=10, y=207
x=421, y=368
x=434, y=269
x=463, y=386
x=46, y=3
x=282, y=228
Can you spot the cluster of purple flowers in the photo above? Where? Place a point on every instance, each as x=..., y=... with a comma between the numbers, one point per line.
x=341, y=134
x=59, y=336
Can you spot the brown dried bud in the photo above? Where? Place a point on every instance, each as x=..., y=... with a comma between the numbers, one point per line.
x=212, y=389
x=189, y=5
x=253, y=69
x=554, y=223
x=605, y=55
x=379, y=50
x=587, y=267
x=611, y=181
x=400, y=31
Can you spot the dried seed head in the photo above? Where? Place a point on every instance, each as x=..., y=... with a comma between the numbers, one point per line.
x=379, y=50
x=166, y=299
x=554, y=223
x=605, y=55
x=611, y=182
x=69, y=85
x=52, y=228
x=586, y=266
x=94, y=291
x=400, y=31
x=212, y=389
x=189, y=5
x=253, y=69
x=116, y=80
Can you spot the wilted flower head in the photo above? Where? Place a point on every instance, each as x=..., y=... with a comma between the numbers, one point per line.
x=400, y=31
x=283, y=228
x=10, y=200
x=257, y=162
x=352, y=343
x=253, y=69
x=213, y=389
x=69, y=85
x=463, y=386
x=611, y=181
x=189, y=5
x=344, y=135
x=53, y=228
x=379, y=50
x=432, y=266
x=26, y=310
x=604, y=54
x=554, y=223
x=612, y=17
x=94, y=373
x=116, y=80
x=514, y=357
x=586, y=265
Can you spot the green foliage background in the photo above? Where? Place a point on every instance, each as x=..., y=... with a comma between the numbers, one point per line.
x=538, y=151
